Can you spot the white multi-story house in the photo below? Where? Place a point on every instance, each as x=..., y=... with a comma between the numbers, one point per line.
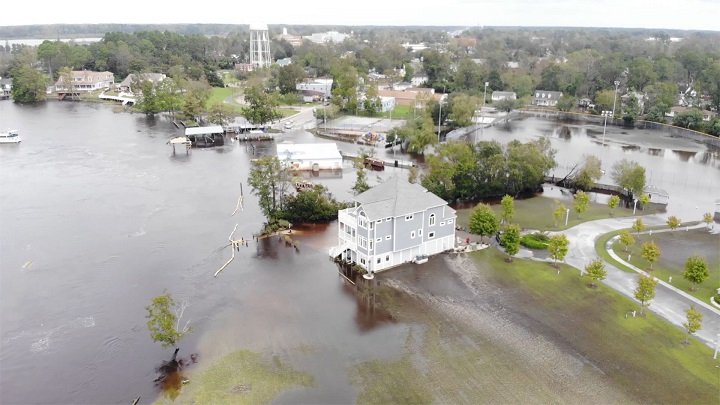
x=392, y=223
x=86, y=81
x=546, y=98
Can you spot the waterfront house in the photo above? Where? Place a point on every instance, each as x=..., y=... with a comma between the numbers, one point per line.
x=503, y=95
x=393, y=223
x=675, y=110
x=126, y=84
x=419, y=79
x=546, y=98
x=86, y=81
x=310, y=156
x=5, y=88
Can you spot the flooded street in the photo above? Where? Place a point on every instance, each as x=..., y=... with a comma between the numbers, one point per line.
x=98, y=216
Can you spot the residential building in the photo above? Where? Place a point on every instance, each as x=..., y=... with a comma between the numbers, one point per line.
x=325, y=37
x=707, y=115
x=546, y=97
x=387, y=104
x=284, y=61
x=244, y=67
x=640, y=97
x=310, y=156
x=86, y=81
x=401, y=86
x=419, y=79
x=294, y=40
x=503, y=95
x=322, y=84
x=5, y=88
x=414, y=47
x=126, y=84
x=392, y=223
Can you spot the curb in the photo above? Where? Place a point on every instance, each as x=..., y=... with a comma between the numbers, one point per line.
x=665, y=284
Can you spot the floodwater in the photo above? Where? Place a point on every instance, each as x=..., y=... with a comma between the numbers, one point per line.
x=98, y=216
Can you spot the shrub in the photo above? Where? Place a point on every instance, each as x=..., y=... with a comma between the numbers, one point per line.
x=717, y=298
x=535, y=241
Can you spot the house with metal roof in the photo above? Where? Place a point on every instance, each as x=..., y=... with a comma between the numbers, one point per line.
x=310, y=156
x=393, y=223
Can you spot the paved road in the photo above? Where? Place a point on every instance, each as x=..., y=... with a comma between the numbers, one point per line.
x=670, y=303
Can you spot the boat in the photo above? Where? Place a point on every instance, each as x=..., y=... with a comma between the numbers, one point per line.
x=11, y=136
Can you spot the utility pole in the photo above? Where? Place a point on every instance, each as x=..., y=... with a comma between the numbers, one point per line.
x=440, y=114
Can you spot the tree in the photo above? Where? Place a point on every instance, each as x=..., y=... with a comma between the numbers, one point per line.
x=604, y=100
x=582, y=202
x=707, y=218
x=196, y=96
x=613, y=203
x=288, y=78
x=626, y=239
x=361, y=184
x=558, y=247
x=269, y=181
x=221, y=114
x=696, y=270
x=566, y=103
x=483, y=221
x=596, y=271
x=314, y=205
x=511, y=240
x=650, y=252
x=506, y=104
x=560, y=210
x=645, y=291
x=262, y=107
x=644, y=200
x=629, y=175
x=694, y=322
x=641, y=73
x=691, y=119
x=507, y=208
x=164, y=316
x=673, y=222
x=589, y=174
x=28, y=83
x=463, y=109
x=638, y=226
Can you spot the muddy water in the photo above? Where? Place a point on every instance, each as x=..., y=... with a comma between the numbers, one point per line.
x=98, y=216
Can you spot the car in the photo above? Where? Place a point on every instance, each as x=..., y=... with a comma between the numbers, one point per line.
x=288, y=125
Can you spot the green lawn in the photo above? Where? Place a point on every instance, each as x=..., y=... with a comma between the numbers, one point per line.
x=677, y=247
x=399, y=112
x=286, y=112
x=641, y=351
x=242, y=377
x=446, y=361
x=537, y=213
x=219, y=94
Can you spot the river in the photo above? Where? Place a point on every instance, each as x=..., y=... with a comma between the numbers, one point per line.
x=98, y=216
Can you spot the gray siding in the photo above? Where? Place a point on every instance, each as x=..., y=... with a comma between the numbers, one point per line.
x=382, y=230
x=403, y=229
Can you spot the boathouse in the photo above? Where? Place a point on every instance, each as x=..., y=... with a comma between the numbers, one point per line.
x=310, y=156
x=203, y=137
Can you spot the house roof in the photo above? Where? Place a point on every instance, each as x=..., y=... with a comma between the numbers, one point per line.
x=397, y=197
x=153, y=77
x=308, y=151
x=87, y=76
x=503, y=93
x=216, y=129
x=555, y=95
x=7, y=80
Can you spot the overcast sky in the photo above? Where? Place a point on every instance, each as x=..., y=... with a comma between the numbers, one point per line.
x=674, y=14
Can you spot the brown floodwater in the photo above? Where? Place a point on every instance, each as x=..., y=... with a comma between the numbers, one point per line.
x=99, y=216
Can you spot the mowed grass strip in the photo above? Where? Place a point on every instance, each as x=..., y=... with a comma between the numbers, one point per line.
x=644, y=354
x=537, y=213
x=676, y=247
x=242, y=377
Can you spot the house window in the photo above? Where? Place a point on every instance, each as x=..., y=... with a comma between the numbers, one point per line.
x=442, y=223
x=387, y=219
x=387, y=258
x=419, y=232
x=431, y=235
x=379, y=260
x=378, y=240
x=409, y=217
x=388, y=237
x=378, y=221
x=371, y=244
x=362, y=261
x=372, y=225
x=450, y=221
x=432, y=220
x=412, y=235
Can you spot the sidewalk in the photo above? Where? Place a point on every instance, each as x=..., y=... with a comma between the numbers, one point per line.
x=669, y=303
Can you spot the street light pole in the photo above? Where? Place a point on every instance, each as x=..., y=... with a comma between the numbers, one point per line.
x=440, y=113
x=617, y=83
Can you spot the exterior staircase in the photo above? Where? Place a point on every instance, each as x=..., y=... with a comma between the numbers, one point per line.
x=337, y=250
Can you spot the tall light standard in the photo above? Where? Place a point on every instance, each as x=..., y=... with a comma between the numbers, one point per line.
x=440, y=113
x=617, y=83
x=606, y=113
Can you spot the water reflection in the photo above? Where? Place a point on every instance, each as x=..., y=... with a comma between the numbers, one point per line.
x=656, y=152
x=564, y=133
x=684, y=155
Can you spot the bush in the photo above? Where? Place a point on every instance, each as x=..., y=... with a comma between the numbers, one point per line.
x=535, y=241
x=717, y=298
